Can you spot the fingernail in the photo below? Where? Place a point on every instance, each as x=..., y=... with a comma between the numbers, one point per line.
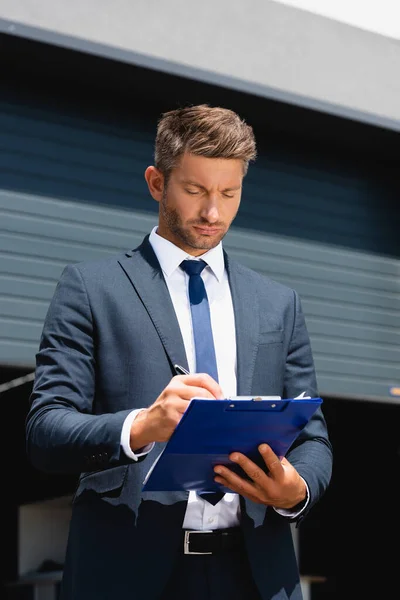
x=263, y=447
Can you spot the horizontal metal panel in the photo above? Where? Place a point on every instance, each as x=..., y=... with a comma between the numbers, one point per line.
x=66, y=180
x=39, y=247
x=23, y=308
x=15, y=353
x=80, y=174
x=61, y=209
x=378, y=354
x=73, y=190
x=354, y=387
x=323, y=290
x=351, y=302
x=58, y=149
x=275, y=266
x=21, y=330
x=353, y=341
x=61, y=230
x=26, y=287
x=352, y=314
x=298, y=188
x=327, y=255
x=98, y=136
x=346, y=331
x=47, y=269
x=368, y=370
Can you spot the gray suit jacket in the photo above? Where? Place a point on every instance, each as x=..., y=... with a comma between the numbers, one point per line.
x=109, y=343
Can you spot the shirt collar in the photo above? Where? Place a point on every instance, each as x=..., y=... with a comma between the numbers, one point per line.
x=170, y=256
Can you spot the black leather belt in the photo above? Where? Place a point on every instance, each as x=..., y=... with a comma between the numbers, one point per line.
x=212, y=542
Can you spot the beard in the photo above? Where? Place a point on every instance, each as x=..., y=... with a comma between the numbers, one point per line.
x=184, y=232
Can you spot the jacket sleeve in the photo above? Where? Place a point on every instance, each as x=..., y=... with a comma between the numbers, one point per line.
x=311, y=454
x=62, y=433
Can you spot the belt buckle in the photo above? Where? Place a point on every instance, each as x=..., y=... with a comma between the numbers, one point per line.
x=186, y=541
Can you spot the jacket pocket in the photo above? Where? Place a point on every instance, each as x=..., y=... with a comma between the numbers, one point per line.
x=271, y=337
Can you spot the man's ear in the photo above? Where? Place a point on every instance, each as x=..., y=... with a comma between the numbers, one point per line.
x=155, y=182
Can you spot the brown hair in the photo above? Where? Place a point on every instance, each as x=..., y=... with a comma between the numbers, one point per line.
x=213, y=132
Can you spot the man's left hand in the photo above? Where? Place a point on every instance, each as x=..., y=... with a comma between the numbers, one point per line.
x=281, y=487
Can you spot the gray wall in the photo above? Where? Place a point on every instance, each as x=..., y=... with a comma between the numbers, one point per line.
x=259, y=45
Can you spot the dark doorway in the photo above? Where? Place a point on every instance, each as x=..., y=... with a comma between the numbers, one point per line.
x=351, y=536
x=22, y=483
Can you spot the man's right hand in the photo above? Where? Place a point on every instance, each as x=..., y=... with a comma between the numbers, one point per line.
x=158, y=422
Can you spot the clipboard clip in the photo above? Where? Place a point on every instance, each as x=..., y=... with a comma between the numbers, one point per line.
x=260, y=403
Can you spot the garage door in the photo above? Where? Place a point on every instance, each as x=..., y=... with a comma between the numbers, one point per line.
x=73, y=189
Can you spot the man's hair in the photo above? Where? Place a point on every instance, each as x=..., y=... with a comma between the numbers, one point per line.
x=213, y=132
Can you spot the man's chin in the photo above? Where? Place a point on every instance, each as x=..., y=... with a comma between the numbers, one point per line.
x=205, y=242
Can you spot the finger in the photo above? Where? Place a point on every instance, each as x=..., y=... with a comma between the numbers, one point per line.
x=256, y=474
x=188, y=392
x=211, y=385
x=272, y=461
x=234, y=482
x=202, y=381
x=237, y=489
x=180, y=405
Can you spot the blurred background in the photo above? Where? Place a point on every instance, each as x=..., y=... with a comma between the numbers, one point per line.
x=82, y=86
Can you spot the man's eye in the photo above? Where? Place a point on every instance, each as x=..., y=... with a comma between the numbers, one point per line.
x=227, y=195
x=192, y=192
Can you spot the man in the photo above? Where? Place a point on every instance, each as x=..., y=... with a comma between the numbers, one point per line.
x=106, y=397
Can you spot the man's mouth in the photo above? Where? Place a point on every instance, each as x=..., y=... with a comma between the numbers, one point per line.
x=207, y=230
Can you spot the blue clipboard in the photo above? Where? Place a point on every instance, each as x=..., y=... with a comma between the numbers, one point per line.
x=211, y=429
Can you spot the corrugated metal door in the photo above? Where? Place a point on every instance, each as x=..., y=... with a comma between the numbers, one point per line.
x=72, y=190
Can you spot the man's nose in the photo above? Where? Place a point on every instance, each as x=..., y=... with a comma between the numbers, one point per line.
x=210, y=210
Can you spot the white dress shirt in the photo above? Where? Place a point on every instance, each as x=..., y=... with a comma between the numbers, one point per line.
x=200, y=514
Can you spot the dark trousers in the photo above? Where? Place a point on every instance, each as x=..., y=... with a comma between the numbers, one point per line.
x=212, y=577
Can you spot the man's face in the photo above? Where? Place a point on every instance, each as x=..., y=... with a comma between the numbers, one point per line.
x=200, y=201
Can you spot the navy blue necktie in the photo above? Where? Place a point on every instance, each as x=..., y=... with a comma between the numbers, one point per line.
x=206, y=361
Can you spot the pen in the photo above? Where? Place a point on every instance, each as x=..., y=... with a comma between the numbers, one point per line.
x=181, y=370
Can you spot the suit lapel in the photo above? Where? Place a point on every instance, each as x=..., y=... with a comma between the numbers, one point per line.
x=145, y=274
x=245, y=305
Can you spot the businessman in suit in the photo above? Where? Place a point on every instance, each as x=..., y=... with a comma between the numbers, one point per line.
x=107, y=397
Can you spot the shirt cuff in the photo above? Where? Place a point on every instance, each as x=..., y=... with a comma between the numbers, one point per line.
x=126, y=438
x=290, y=512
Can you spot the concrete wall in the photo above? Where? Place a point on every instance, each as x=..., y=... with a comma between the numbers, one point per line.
x=381, y=17
x=260, y=46
x=42, y=533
